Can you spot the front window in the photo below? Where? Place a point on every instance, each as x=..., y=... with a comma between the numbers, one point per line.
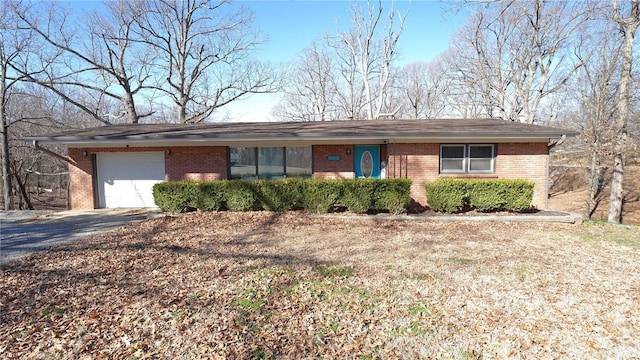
x=243, y=163
x=250, y=163
x=467, y=158
x=271, y=163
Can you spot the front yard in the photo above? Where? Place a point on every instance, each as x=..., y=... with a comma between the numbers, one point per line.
x=279, y=285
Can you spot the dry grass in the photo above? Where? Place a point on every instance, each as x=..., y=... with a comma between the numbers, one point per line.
x=267, y=285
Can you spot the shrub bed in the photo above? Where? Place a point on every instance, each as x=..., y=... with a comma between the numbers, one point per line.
x=176, y=196
x=314, y=195
x=454, y=195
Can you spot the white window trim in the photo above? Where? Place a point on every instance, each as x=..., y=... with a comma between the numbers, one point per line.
x=493, y=159
x=466, y=161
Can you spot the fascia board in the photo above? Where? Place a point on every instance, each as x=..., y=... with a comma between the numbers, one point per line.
x=282, y=141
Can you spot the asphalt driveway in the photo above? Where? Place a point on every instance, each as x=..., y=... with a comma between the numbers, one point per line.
x=25, y=232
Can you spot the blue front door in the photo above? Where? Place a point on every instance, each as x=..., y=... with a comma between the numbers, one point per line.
x=367, y=161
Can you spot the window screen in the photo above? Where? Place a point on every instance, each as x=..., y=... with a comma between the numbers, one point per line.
x=481, y=158
x=467, y=158
x=452, y=158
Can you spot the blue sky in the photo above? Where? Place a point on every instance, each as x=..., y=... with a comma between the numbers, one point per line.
x=291, y=25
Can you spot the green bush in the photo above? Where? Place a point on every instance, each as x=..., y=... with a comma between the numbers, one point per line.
x=447, y=195
x=211, y=195
x=280, y=195
x=486, y=196
x=321, y=195
x=392, y=195
x=452, y=195
x=240, y=195
x=518, y=195
x=357, y=195
x=175, y=196
x=314, y=195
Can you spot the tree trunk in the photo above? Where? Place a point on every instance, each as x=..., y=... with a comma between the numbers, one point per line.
x=23, y=191
x=628, y=27
x=594, y=184
x=616, y=199
x=4, y=145
x=6, y=170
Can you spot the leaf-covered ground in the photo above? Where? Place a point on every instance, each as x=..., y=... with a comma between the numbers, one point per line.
x=268, y=285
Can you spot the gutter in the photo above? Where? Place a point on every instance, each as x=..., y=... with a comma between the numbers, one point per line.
x=37, y=146
x=559, y=142
x=549, y=147
x=372, y=139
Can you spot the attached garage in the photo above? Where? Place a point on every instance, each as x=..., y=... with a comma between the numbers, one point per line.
x=126, y=179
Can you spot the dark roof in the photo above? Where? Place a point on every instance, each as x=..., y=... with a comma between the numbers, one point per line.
x=306, y=131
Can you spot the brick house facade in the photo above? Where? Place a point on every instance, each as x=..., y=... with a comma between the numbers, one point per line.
x=416, y=156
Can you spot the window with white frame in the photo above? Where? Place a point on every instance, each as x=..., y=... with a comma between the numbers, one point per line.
x=467, y=158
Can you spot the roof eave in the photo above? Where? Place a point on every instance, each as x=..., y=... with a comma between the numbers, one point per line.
x=419, y=138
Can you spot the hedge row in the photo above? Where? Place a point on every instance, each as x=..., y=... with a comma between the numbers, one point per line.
x=454, y=195
x=315, y=195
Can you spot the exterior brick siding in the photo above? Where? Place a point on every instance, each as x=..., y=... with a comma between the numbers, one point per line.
x=197, y=163
x=323, y=168
x=525, y=161
x=419, y=162
x=81, y=180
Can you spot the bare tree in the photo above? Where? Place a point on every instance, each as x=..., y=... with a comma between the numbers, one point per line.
x=310, y=93
x=628, y=27
x=14, y=43
x=366, y=53
x=100, y=70
x=422, y=89
x=593, y=91
x=203, y=52
x=515, y=53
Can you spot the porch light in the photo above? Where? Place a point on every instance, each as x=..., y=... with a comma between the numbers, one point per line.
x=85, y=153
x=167, y=152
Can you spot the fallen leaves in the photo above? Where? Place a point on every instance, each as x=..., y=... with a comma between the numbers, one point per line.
x=272, y=285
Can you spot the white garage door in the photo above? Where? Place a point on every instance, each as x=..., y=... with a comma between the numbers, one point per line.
x=127, y=179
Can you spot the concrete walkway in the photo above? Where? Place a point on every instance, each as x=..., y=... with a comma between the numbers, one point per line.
x=542, y=216
x=25, y=232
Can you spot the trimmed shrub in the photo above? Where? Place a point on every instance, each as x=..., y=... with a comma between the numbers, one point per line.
x=452, y=195
x=518, y=195
x=175, y=196
x=358, y=194
x=280, y=195
x=447, y=195
x=211, y=195
x=486, y=196
x=321, y=195
x=240, y=195
x=392, y=195
x=314, y=195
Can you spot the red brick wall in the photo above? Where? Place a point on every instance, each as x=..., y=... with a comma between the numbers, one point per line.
x=420, y=163
x=323, y=168
x=81, y=180
x=197, y=163
x=525, y=161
